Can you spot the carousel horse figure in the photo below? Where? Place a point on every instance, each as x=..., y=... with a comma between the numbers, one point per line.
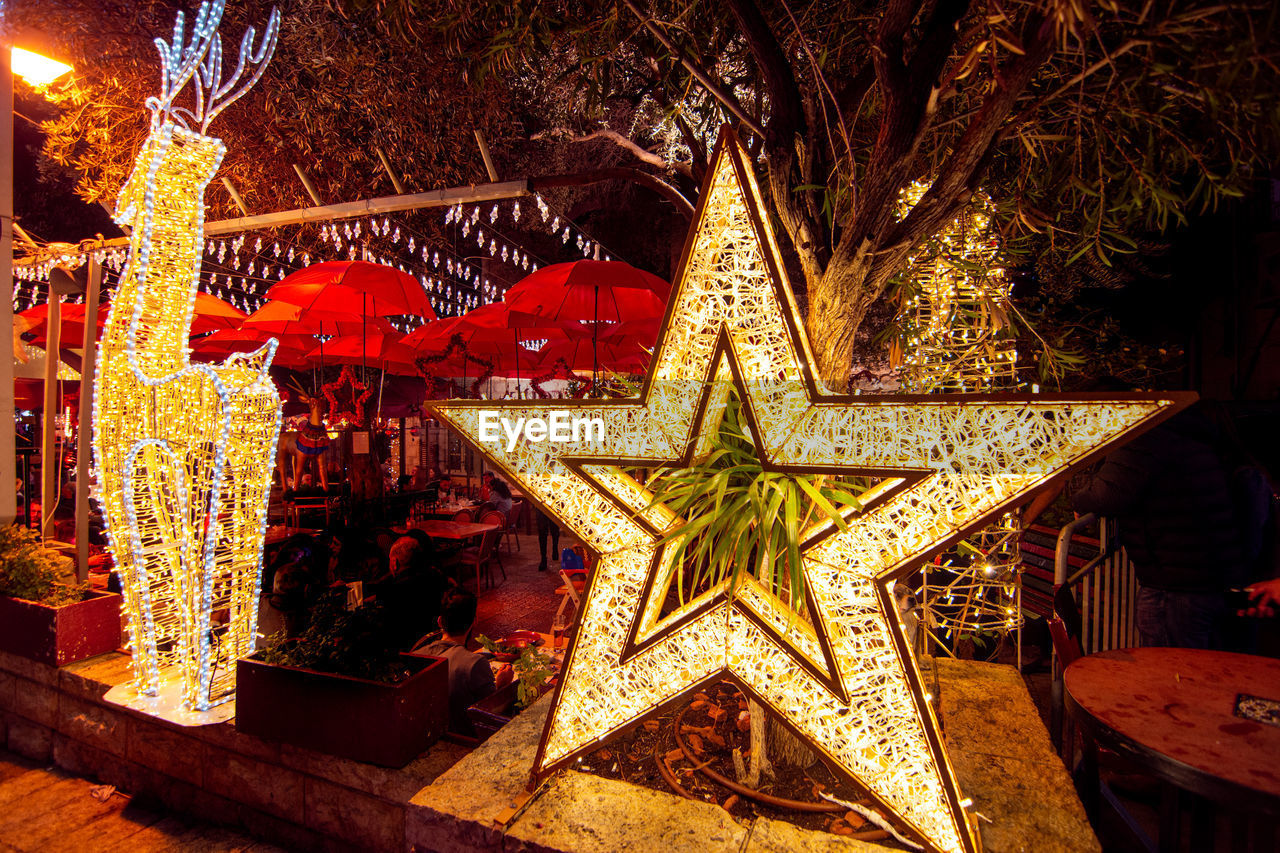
x=183, y=450
x=305, y=444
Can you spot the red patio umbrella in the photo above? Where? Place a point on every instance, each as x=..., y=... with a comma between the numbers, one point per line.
x=210, y=314
x=587, y=292
x=353, y=349
x=355, y=287
x=282, y=318
x=290, y=352
x=621, y=357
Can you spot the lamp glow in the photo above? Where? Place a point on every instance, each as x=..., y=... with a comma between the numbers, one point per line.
x=844, y=678
x=36, y=69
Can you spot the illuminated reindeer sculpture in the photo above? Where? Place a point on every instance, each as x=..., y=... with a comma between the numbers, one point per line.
x=183, y=450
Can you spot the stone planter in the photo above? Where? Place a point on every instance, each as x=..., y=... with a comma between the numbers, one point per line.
x=58, y=636
x=369, y=721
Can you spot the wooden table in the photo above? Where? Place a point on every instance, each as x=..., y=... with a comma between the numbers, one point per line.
x=277, y=535
x=1172, y=712
x=456, y=530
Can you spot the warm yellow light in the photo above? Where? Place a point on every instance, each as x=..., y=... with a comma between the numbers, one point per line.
x=844, y=677
x=36, y=69
x=184, y=451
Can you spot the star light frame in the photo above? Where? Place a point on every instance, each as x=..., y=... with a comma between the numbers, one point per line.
x=847, y=685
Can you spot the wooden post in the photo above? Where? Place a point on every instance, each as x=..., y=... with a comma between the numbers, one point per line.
x=49, y=473
x=235, y=195
x=307, y=184
x=84, y=430
x=391, y=173
x=484, y=153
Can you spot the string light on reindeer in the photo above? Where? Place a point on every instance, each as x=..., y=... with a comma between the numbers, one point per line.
x=183, y=450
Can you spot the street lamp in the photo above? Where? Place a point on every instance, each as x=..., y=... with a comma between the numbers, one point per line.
x=39, y=71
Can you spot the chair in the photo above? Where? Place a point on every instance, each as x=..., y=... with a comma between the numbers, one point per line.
x=573, y=574
x=495, y=517
x=464, y=516
x=294, y=507
x=480, y=557
x=1065, y=628
x=510, y=524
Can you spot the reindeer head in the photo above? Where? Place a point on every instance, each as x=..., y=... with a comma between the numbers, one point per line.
x=177, y=144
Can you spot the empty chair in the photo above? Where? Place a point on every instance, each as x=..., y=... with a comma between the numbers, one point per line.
x=480, y=557
x=493, y=516
x=464, y=515
x=512, y=517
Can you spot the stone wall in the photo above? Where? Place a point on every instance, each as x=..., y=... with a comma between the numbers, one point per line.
x=454, y=802
x=291, y=796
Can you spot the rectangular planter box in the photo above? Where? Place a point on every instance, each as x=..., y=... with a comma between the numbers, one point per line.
x=384, y=724
x=58, y=636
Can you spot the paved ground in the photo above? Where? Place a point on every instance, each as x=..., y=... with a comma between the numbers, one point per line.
x=44, y=809
x=527, y=598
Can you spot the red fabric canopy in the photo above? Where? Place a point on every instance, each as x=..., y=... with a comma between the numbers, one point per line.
x=587, y=291
x=354, y=287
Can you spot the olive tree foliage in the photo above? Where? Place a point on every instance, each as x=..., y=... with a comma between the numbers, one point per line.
x=1089, y=123
x=335, y=92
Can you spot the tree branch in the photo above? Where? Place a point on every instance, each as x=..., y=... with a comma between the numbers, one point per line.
x=642, y=154
x=617, y=173
x=719, y=92
x=957, y=178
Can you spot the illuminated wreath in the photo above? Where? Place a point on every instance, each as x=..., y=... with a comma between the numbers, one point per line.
x=424, y=363
x=560, y=370
x=355, y=414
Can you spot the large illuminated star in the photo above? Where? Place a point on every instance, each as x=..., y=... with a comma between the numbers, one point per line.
x=844, y=679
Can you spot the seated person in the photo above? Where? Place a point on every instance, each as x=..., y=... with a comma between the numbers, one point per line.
x=499, y=497
x=412, y=590
x=471, y=678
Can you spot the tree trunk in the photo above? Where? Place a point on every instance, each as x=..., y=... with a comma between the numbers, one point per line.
x=838, y=302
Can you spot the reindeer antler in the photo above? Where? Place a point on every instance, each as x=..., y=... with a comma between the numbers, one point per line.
x=201, y=57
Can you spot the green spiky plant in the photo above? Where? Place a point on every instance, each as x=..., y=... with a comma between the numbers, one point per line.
x=744, y=518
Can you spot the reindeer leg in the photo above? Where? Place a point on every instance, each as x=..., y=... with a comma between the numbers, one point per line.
x=155, y=494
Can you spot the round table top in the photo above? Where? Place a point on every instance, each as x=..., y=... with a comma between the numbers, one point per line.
x=1177, y=709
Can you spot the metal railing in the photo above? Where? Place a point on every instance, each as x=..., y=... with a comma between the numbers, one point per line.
x=1105, y=592
x=1105, y=588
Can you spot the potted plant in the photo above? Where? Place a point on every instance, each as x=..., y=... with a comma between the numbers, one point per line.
x=338, y=688
x=45, y=615
x=533, y=676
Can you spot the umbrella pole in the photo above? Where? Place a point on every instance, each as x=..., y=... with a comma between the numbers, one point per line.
x=381, y=378
x=595, y=339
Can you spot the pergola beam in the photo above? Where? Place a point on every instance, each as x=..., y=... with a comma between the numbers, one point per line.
x=370, y=207
x=473, y=194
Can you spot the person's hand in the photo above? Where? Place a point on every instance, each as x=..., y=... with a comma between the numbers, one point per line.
x=1264, y=597
x=502, y=675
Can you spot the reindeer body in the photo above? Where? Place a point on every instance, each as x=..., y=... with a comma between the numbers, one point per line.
x=183, y=450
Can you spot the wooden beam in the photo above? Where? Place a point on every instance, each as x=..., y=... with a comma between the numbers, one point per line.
x=235, y=195
x=473, y=194
x=484, y=153
x=369, y=207
x=308, y=184
x=391, y=173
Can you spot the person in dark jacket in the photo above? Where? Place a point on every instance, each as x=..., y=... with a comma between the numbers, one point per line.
x=1170, y=492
